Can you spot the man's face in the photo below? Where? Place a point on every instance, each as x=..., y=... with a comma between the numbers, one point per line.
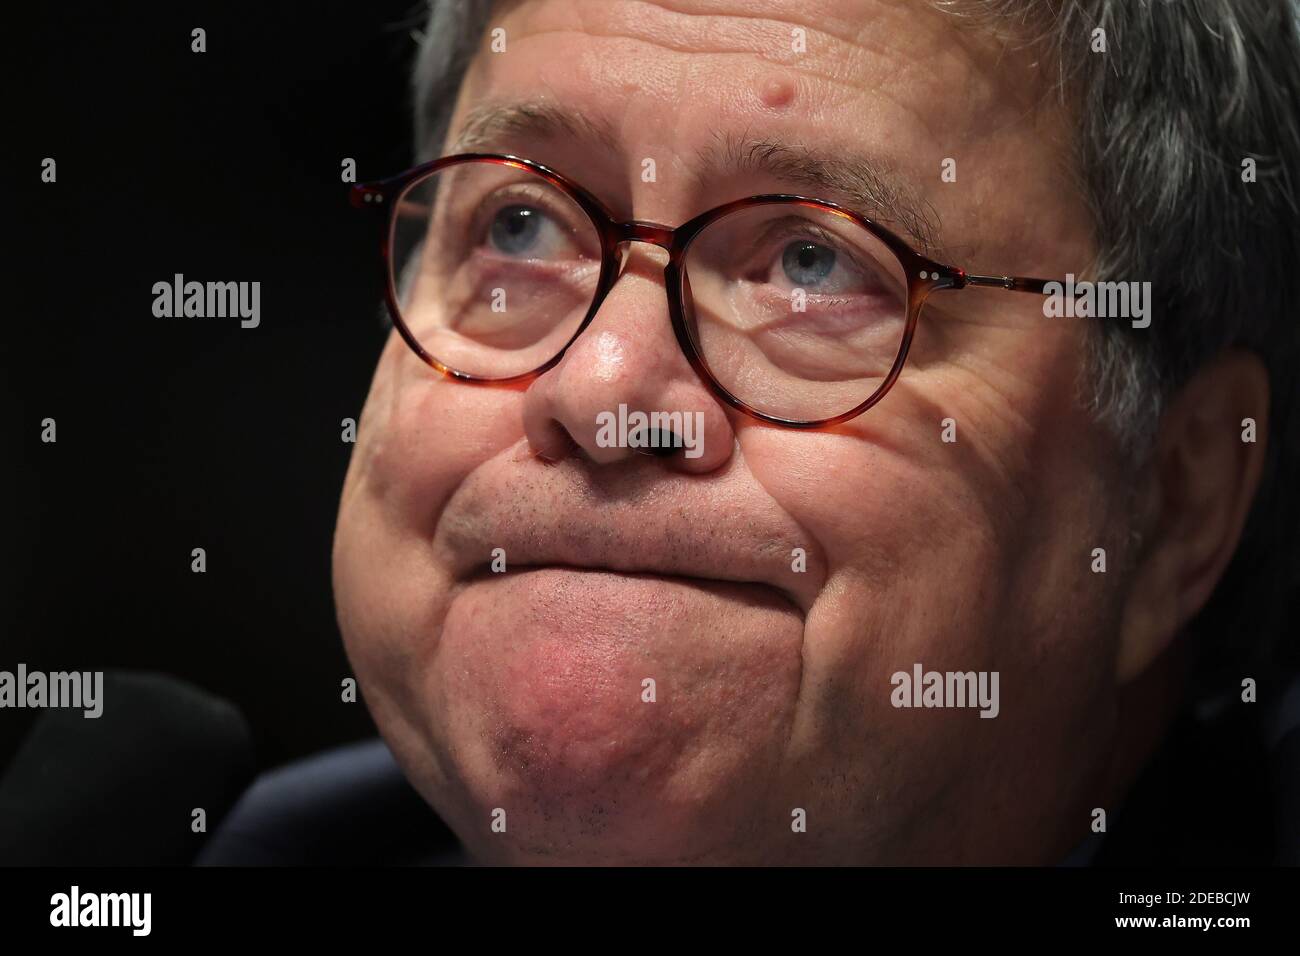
x=526, y=691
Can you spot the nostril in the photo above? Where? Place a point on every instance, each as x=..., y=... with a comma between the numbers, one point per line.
x=658, y=442
x=548, y=442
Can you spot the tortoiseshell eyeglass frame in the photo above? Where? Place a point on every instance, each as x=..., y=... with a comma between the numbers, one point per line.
x=924, y=275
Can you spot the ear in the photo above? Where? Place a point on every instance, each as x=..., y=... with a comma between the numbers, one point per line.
x=1196, y=493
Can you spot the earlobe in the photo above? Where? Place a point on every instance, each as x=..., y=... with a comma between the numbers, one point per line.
x=1200, y=483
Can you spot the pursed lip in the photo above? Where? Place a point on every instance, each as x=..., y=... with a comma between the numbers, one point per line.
x=629, y=519
x=484, y=573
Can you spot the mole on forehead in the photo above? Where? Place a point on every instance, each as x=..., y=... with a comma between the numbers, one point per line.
x=776, y=92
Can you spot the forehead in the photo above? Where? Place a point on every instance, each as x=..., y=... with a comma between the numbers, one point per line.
x=829, y=67
x=912, y=86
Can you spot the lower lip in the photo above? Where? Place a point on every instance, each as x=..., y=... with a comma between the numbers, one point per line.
x=549, y=600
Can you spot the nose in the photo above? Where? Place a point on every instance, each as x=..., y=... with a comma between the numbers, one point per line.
x=624, y=387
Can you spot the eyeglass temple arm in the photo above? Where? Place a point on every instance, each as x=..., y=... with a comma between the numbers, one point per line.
x=1010, y=283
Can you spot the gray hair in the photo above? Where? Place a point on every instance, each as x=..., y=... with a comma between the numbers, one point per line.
x=1186, y=92
x=451, y=37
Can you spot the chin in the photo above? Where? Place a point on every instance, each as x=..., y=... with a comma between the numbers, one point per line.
x=569, y=764
x=513, y=800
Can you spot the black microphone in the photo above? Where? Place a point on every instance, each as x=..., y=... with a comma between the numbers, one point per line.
x=121, y=789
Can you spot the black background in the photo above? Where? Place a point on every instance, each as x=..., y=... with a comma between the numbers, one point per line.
x=177, y=433
x=182, y=433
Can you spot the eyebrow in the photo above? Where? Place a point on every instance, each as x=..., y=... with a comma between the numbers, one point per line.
x=867, y=185
x=489, y=122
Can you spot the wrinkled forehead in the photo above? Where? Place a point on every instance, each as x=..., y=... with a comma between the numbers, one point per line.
x=912, y=99
x=812, y=66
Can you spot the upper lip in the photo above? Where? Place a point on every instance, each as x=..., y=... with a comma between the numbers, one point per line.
x=627, y=518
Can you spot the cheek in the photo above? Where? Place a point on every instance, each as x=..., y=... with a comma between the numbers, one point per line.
x=961, y=470
x=417, y=439
x=871, y=499
x=918, y=546
x=421, y=434
x=966, y=556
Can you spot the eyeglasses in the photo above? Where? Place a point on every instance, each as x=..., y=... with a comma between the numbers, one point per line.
x=795, y=311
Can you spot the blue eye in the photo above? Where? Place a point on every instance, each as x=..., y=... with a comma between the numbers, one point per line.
x=807, y=263
x=514, y=229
